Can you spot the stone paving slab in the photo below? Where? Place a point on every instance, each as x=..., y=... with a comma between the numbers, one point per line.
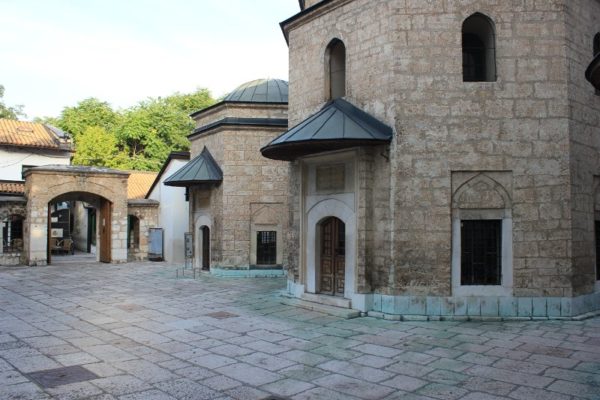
x=147, y=335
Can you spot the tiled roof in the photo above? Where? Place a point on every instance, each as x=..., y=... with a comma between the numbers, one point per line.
x=12, y=187
x=32, y=134
x=139, y=183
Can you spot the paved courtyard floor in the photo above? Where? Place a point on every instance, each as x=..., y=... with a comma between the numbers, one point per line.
x=133, y=331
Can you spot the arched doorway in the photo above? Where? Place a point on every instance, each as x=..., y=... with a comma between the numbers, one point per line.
x=79, y=222
x=332, y=260
x=205, y=247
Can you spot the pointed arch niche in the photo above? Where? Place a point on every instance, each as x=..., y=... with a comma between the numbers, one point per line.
x=481, y=234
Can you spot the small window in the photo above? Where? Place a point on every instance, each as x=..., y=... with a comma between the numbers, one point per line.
x=133, y=232
x=12, y=233
x=478, y=49
x=481, y=252
x=336, y=69
x=266, y=247
x=597, y=232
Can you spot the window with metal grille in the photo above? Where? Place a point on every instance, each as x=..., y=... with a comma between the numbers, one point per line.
x=266, y=247
x=481, y=262
x=597, y=250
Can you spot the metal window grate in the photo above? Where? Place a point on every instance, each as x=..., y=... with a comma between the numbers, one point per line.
x=266, y=247
x=481, y=252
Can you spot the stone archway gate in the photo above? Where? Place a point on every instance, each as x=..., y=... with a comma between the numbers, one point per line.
x=44, y=184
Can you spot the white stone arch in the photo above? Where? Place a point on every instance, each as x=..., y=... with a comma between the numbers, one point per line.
x=319, y=212
x=481, y=198
x=200, y=220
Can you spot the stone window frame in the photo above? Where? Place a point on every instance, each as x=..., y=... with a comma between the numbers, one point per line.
x=335, y=69
x=264, y=250
x=277, y=228
x=480, y=27
x=505, y=215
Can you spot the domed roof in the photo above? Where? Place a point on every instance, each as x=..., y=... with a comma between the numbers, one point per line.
x=260, y=91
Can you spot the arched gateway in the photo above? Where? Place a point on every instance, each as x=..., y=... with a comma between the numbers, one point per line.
x=105, y=188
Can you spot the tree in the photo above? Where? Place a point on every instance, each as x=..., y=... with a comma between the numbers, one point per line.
x=88, y=113
x=192, y=102
x=97, y=147
x=150, y=131
x=139, y=138
x=7, y=112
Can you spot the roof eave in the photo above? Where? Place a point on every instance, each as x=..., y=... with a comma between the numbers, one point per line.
x=174, y=155
x=291, y=151
x=192, y=183
x=305, y=11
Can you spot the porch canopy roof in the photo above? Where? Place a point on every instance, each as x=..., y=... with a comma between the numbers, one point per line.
x=201, y=169
x=338, y=125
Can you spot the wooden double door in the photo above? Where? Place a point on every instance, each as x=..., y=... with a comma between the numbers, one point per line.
x=333, y=257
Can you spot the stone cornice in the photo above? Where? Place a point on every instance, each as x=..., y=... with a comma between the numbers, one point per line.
x=309, y=14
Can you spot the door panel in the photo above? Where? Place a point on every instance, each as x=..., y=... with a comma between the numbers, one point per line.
x=333, y=251
x=205, y=248
x=105, y=231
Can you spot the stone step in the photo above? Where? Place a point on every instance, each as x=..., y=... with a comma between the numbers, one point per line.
x=327, y=300
x=346, y=313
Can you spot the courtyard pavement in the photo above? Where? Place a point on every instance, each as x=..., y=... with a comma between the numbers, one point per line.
x=133, y=331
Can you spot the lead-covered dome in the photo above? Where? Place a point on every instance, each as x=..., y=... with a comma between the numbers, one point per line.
x=260, y=91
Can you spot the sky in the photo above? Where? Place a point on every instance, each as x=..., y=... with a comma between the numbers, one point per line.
x=59, y=52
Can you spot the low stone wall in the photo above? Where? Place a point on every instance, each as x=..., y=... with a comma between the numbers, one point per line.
x=10, y=259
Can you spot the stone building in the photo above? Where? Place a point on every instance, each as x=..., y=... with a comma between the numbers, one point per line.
x=237, y=198
x=445, y=160
x=105, y=209
x=23, y=145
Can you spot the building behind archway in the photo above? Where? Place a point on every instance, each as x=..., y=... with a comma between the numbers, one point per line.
x=237, y=198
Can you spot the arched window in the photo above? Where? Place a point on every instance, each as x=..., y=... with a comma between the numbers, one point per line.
x=596, y=51
x=336, y=69
x=478, y=49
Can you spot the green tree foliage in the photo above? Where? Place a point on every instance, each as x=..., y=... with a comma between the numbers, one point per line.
x=98, y=147
x=7, y=112
x=87, y=113
x=138, y=138
x=151, y=130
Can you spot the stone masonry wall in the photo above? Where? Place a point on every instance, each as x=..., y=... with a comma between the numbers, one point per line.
x=404, y=66
x=147, y=215
x=583, y=22
x=248, y=178
x=44, y=186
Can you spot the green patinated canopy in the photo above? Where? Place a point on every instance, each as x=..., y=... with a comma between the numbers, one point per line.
x=201, y=169
x=338, y=125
